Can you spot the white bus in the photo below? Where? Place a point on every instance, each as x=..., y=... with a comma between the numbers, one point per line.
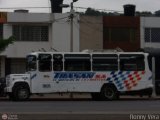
x=105, y=75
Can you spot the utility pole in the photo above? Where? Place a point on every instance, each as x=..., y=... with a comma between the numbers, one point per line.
x=153, y=77
x=71, y=27
x=71, y=16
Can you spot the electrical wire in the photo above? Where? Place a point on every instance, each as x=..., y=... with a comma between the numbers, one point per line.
x=84, y=20
x=100, y=9
x=24, y=7
x=57, y=19
x=27, y=7
x=90, y=25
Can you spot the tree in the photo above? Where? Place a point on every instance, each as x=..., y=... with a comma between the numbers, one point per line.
x=144, y=13
x=157, y=13
x=93, y=12
x=5, y=42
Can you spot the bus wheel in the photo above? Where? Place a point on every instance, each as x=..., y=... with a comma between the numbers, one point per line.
x=21, y=93
x=109, y=92
x=96, y=96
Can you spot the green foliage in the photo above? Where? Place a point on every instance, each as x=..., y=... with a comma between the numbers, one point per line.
x=157, y=13
x=93, y=12
x=144, y=13
x=5, y=42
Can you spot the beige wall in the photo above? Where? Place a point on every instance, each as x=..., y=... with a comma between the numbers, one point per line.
x=91, y=32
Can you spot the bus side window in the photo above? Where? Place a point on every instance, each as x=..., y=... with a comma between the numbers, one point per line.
x=132, y=62
x=77, y=62
x=45, y=63
x=57, y=62
x=105, y=62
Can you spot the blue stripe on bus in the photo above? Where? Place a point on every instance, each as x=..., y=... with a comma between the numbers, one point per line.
x=33, y=76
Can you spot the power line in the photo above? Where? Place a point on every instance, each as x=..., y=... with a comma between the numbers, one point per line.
x=84, y=20
x=61, y=18
x=99, y=9
x=27, y=7
x=24, y=7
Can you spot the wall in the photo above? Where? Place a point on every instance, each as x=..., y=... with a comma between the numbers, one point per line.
x=59, y=37
x=61, y=32
x=28, y=17
x=91, y=32
x=123, y=22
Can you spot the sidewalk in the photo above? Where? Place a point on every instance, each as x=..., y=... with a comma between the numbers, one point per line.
x=85, y=96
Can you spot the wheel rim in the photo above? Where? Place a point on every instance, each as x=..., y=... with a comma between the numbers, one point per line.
x=23, y=94
x=109, y=93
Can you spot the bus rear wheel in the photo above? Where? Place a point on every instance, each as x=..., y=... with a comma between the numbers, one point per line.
x=109, y=92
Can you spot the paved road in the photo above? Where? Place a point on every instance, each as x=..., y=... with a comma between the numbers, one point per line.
x=79, y=109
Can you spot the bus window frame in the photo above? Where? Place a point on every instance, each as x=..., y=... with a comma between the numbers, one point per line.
x=133, y=57
x=105, y=57
x=58, y=60
x=39, y=60
x=73, y=58
x=27, y=66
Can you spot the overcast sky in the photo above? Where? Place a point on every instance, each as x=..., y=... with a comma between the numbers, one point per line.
x=141, y=5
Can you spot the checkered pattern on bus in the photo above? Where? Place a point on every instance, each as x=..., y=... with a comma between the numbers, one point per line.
x=128, y=79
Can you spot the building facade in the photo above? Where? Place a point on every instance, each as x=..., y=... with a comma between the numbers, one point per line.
x=51, y=31
x=34, y=32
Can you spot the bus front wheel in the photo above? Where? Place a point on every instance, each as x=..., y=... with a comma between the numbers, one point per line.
x=21, y=93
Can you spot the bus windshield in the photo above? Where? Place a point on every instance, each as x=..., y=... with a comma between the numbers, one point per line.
x=31, y=63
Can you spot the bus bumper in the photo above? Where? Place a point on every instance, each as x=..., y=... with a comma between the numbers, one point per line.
x=8, y=89
x=146, y=91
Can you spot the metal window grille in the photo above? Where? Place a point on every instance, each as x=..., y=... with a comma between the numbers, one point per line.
x=0, y=68
x=152, y=34
x=155, y=34
x=147, y=35
x=1, y=31
x=30, y=33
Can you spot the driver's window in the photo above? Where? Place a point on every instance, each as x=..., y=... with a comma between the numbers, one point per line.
x=31, y=63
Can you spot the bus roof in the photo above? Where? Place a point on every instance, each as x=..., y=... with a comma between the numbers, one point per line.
x=37, y=53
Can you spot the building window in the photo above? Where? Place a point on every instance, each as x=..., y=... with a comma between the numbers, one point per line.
x=120, y=34
x=1, y=31
x=105, y=62
x=30, y=33
x=152, y=34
